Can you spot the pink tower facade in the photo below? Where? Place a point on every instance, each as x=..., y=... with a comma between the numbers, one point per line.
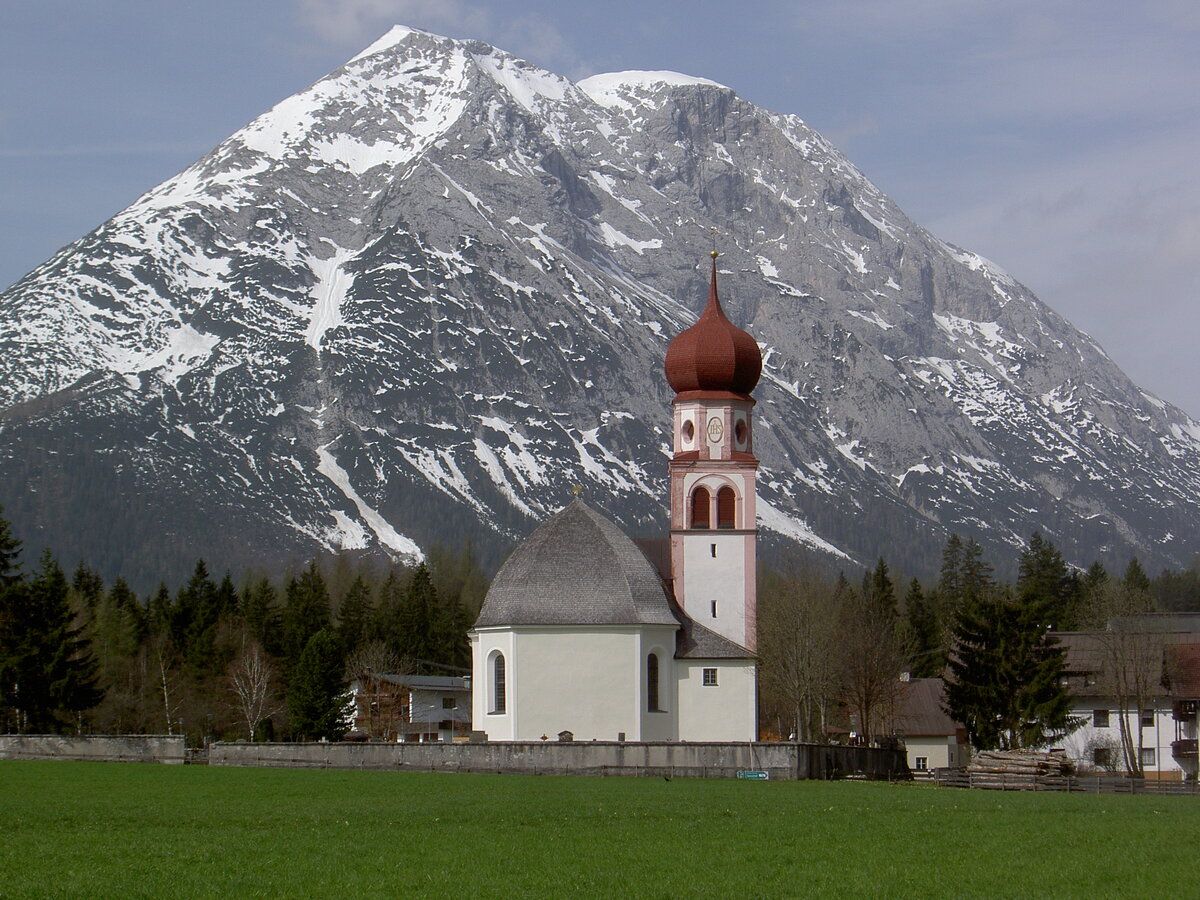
x=713, y=366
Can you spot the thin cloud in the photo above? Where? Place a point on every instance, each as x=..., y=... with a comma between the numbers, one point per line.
x=353, y=24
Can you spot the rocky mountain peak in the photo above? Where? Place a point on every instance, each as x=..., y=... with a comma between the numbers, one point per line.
x=419, y=299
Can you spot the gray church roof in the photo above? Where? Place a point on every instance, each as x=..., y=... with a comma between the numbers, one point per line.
x=577, y=568
x=694, y=641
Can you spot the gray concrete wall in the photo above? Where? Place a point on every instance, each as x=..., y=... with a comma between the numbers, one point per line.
x=782, y=761
x=159, y=748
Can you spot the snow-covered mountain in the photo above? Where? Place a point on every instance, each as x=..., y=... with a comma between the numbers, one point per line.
x=424, y=297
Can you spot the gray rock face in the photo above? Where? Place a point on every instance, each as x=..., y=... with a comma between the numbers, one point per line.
x=422, y=298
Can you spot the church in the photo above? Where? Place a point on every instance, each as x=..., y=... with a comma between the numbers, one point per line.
x=581, y=633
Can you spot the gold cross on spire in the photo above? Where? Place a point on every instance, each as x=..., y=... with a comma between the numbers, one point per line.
x=577, y=489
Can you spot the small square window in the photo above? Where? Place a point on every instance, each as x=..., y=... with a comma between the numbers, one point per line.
x=1147, y=718
x=1099, y=718
x=449, y=703
x=1147, y=756
x=710, y=677
x=921, y=763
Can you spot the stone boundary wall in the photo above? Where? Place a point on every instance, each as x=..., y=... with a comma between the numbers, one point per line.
x=152, y=748
x=784, y=762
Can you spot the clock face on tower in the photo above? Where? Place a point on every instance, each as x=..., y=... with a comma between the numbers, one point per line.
x=715, y=429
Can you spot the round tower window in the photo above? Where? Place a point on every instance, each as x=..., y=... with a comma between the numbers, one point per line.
x=688, y=431
x=739, y=431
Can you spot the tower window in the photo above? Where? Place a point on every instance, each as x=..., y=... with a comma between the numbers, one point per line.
x=714, y=609
x=740, y=432
x=700, y=511
x=709, y=678
x=652, y=682
x=688, y=431
x=498, y=692
x=713, y=549
x=726, y=507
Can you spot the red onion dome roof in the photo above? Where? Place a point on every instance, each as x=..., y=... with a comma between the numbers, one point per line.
x=714, y=354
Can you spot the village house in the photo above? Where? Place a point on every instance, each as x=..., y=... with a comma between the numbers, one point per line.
x=1141, y=676
x=411, y=708
x=933, y=740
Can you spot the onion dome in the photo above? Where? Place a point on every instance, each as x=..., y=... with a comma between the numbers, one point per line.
x=577, y=568
x=714, y=355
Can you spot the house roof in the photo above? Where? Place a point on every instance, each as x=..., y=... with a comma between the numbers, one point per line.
x=1090, y=652
x=427, y=682
x=921, y=713
x=694, y=641
x=577, y=568
x=1183, y=670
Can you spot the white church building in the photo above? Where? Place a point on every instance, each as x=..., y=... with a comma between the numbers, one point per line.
x=580, y=633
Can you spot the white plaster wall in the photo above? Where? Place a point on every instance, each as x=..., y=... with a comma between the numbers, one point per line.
x=721, y=579
x=939, y=751
x=663, y=725
x=483, y=643
x=588, y=683
x=727, y=712
x=1157, y=737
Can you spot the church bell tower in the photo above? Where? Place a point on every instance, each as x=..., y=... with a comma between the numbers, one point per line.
x=713, y=366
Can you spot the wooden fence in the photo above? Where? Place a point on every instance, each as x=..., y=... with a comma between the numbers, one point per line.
x=1073, y=784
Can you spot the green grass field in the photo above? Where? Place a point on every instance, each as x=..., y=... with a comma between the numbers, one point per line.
x=122, y=830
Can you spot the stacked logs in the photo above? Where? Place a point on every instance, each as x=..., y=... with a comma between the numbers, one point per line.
x=1016, y=769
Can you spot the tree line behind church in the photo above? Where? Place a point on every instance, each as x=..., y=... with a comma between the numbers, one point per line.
x=219, y=658
x=832, y=651
x=263, y=657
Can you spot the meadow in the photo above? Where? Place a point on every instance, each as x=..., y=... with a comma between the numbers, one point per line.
x=125, y=830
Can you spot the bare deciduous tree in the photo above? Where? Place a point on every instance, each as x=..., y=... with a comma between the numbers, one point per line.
x=798, y=640
x=252, y=681
x=379, y=708
x=874, y=655
x=1132, y=664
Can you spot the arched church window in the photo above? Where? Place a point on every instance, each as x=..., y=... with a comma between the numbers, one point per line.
x=700, y=513
x=726, y=506
x=652, y=682
x=498, y=690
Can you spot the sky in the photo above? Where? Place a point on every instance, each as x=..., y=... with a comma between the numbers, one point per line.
x=1059, y=139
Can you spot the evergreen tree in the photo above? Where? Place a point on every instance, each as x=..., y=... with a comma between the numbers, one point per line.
x=194, y=622
x=88, y=586
x=160, y=612
x=261, y=615
x=1006, y=670
x=451, y=645
x=925, y=632
x=47, y=672
x=305, y=612
x=418, y=615
x=950, y=583
x=354, y=616
x=317, y=693
x=1045, y=583
x=975, y=575
x=1135, y=577
x=879, y=590
x=10, y=552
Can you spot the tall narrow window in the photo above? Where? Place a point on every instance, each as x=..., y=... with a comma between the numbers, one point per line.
x=726, y=502
x=652, y=682
x=700, y=513
x=498, y=693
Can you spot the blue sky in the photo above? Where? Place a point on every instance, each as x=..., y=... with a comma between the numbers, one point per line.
x=1059, y=139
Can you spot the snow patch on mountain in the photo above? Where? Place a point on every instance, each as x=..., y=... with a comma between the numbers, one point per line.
x=387, y=535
